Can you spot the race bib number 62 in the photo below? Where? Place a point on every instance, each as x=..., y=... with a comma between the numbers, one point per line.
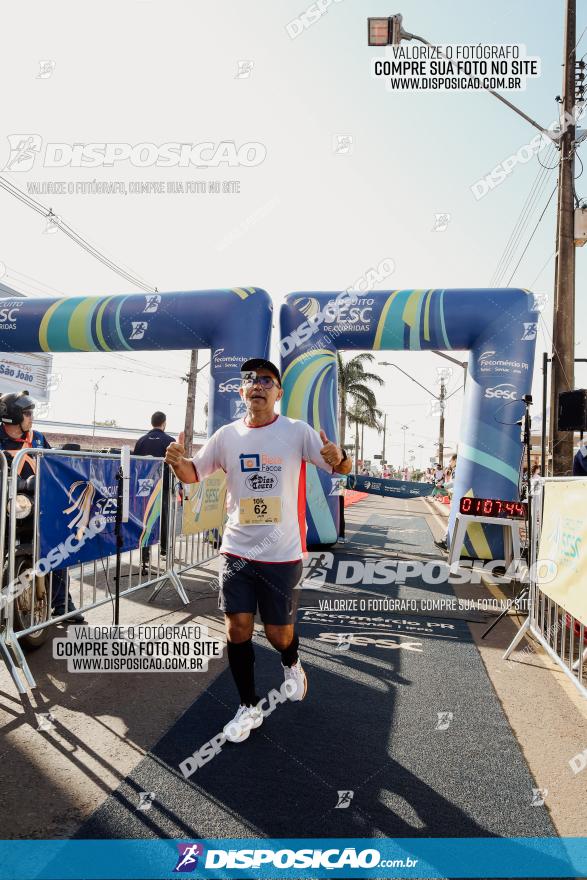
x=259, y=511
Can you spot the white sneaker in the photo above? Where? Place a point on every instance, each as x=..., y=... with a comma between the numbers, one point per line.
x=295, y=675
x=246, y=719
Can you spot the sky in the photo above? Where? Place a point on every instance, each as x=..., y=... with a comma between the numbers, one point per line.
x=308, y=217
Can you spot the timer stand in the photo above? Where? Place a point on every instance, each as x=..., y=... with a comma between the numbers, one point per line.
x=525, y=588
x=492, y=511
x=512, y=548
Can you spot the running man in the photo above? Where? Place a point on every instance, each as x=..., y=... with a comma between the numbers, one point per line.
x=263, y=456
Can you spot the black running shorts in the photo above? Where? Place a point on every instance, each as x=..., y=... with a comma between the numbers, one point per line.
x=246, y=584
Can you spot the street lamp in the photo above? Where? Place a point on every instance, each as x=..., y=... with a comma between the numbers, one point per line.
x=462, y=364
x=441, y=399
x=384, y=31
x=566, y=138
x=393, y=34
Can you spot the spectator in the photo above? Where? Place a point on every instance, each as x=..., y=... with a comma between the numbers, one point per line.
x=449, y=474
x=534, y=477
x=16, y=433
x=155, y=443
x=580, y=462
x=438, y=480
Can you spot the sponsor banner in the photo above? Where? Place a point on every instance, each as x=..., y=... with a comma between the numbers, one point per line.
x=30, y=372
x=563, y=541
x=76, y=492
x=493, y=363
x=389, y=488
x=303, y=858
x=205, y=504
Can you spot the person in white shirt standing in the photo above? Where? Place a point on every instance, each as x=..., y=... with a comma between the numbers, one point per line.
x=263, y=456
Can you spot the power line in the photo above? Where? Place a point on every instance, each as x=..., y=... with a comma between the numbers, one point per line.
x=506, y=253
x=73, y=235
x=133, y=372
x=20, y=280
x=140, y=399
x=553, y=254
x=533, y=233
x=523, y=219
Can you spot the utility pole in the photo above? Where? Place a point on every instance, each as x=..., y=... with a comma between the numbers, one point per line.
x=404, y=429
x=563, y=336
x=191, y=379
x=96, y=387
x=441, y=426
x=384, y=430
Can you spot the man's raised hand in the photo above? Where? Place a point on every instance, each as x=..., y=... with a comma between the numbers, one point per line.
x=174, y=453
x=330, y=452
x=182, y=467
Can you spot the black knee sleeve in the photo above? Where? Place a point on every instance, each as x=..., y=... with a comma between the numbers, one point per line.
x=290, y=655
x=241, y=659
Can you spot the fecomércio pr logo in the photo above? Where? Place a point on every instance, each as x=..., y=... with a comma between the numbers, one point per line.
x=187, y=857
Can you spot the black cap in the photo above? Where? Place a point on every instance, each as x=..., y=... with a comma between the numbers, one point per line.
x=255, y=363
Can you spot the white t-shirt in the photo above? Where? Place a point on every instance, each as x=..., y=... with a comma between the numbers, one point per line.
x=265, y=475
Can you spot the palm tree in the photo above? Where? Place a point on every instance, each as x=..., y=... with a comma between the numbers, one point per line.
x=353, y=382
x=365, y=416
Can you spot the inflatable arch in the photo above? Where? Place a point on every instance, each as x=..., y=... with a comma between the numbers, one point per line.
x=497, y=327
x=235, y=324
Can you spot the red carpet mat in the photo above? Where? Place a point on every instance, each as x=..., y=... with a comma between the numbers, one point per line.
x=351, y=497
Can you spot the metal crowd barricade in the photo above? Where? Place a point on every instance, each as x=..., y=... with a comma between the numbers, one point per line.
x=81, y=580
x=3, y=499
x=186, y=552
x=561, y=635
x=10, y=650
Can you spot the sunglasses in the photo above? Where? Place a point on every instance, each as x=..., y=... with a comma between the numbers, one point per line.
x=263, y=381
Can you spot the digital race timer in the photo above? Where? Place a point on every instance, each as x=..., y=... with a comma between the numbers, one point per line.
x=493, y=507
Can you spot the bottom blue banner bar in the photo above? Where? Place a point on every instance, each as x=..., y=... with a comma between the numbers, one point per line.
x=303, y=858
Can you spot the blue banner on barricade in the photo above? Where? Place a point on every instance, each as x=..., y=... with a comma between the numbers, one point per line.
x=302, y=858
x=77, y=508
x=389, y=488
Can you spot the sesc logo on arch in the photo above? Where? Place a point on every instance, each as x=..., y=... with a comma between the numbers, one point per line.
x=505, y=391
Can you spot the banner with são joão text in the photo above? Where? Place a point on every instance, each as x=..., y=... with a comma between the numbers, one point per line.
x=78, y=499
x=30, y=372
x=205, y=504
x=563, y=541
